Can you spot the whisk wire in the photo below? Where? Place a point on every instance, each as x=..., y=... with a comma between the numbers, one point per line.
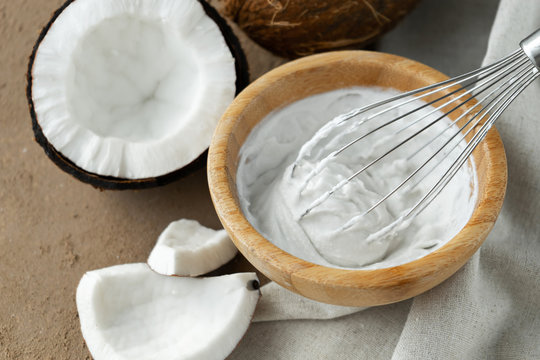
x=493, y=78
x=499, y=83
x=475, y=141
x=468, y=111
x=427, y=90
x=443, y=85
x=477, y=89
x=487, y=71
x=508, y=96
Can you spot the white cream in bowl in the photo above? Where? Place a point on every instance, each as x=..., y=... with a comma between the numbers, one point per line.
x=275, y=191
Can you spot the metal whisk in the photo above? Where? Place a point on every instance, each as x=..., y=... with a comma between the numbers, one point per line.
x=489, y=91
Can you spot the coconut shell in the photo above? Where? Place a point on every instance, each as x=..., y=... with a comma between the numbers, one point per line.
x=294, y=28
x=115, y=183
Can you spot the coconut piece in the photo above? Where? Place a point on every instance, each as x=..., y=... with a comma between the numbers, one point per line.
x=186, y=248
x=298, y=28
x=125, y=94
x=130, y=312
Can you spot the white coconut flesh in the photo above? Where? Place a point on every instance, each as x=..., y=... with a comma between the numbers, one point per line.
x=130, y=312
x=132, y=89
x=186, y=248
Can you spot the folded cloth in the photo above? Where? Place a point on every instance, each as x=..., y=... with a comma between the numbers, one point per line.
x=490, y=309
x=279, y=303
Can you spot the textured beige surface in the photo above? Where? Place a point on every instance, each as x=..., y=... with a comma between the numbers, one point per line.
x=54, y=228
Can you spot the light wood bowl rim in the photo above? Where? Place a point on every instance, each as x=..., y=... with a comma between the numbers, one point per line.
x=337, y=286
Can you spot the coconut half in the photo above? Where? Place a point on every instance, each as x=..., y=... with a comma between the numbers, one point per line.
x=124, y=94
x=186, y=248
x=130, y=312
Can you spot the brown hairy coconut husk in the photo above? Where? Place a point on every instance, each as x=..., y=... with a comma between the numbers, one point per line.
x=293, y=28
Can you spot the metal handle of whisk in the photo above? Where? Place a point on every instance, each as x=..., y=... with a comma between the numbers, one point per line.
x=531, y=47
x=494, y=87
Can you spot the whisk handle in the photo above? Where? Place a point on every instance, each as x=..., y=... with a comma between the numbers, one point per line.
x=531, y=47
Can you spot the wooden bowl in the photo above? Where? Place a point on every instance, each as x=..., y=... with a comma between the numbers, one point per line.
x=312, y=75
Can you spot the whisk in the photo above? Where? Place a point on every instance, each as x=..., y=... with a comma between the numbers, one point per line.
x=488, y=90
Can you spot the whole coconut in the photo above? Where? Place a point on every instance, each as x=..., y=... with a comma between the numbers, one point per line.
x=294, y=28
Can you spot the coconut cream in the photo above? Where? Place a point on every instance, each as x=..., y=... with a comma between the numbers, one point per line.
x=288, y=163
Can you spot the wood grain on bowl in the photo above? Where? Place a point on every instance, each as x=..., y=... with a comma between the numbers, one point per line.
x=317, y=74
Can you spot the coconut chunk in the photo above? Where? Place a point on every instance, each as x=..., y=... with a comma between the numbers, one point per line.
x=130, y=312
x=186, y=248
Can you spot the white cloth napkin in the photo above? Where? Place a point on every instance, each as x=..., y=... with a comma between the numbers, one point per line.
x=490, y=309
